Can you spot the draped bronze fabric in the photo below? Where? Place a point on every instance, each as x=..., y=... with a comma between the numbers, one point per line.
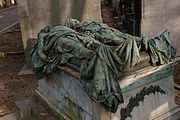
x=101, y=77
x=161, y=50
x=106, y=53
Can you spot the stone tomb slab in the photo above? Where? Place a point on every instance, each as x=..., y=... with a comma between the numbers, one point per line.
x=152, y=89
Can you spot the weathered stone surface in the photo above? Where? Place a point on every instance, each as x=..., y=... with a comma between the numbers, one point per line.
x=65, y=94
x=153, y=105
x=41, y=113
x=25, y=106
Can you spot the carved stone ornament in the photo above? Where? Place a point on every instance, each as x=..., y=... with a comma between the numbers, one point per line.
x=139, y=97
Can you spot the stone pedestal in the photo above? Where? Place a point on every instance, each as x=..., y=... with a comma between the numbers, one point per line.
x=150, y=89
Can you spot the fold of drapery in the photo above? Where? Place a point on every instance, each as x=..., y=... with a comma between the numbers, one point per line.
x=161, y=50
x=101, y=75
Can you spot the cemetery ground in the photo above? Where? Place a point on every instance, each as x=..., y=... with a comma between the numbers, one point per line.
x=14, y=87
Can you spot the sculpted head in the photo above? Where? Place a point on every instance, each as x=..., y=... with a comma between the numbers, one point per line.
x=72, y=23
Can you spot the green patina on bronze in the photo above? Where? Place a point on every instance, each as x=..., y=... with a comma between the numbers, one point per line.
x=105, y=54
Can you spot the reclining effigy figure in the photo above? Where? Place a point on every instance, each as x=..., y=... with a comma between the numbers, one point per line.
x=105, y=53
x=125, y=43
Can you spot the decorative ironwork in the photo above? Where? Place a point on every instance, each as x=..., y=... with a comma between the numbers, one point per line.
x=134, y=101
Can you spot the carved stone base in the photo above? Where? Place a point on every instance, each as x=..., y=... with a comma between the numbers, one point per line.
x=148, y=95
